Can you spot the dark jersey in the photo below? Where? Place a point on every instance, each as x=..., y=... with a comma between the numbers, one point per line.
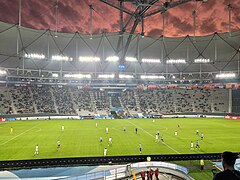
x=227, y=175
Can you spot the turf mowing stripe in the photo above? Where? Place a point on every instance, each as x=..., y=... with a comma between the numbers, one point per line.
x=19, y=135
x=154, y=137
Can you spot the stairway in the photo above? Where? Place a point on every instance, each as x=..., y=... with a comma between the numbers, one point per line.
x=93, y=102
x=8, y=96
x=137, y=101
x=54, y=101
x=75, y=106
x=34, y=105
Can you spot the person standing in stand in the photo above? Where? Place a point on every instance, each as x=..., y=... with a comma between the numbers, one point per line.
x=156, y=173
x=143, y=175
x=229, y=173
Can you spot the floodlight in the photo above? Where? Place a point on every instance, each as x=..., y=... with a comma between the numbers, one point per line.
x=130, y=59
x=201, y=60
x=3, y=72
x=61, y=58
x=79, y=76
x=55, y=75
x=125, y=76
x=146, y=60
x=89, y=59
x=112, y=58
x=225, y=75
x=176, y=61
x=34, y=56
x=106, y=76
x=151, y=77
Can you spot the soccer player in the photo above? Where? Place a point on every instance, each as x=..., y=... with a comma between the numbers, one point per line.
x=58, y=144
x=107, y=130
x=162, y=138
x=191, y=146
x=105, y=152
x=100, y=139
x=36, y=150
x=175, y=133
x=202, y=135
x=140, y=148
x=109, y=141
x=63, y=128
x=197, y=132
x=96, y=124
x=158, y=132
x=156, y=138
x=11, y=130
x=136, y=130
x=124, y=129
x=197, y=145
x=178, y=125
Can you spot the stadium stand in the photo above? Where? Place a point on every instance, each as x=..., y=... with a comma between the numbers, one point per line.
x=64, y=103
x=82, y=101
x=43, y=99
x=69, y=100
x=128, y=99
x=101, y=101
x=22, y=99
x=5, y=102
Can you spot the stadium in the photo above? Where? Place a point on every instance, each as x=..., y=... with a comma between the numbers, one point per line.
x=82, y=99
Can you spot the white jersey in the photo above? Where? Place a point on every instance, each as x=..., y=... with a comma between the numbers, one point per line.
x=96, y=125
x=175, y=133
x=36, y=149
x=156, y=138
x=106, y=129
x=63, y=128
x=110, y=140
x=191, y=145
x=105, y=152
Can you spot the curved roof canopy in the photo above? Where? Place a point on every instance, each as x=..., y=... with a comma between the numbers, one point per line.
x=219, y=52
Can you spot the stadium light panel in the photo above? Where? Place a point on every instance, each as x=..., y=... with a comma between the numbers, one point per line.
x=125, y=76
x=54, y=75
x=3, y=72
x=201, y=60
x=226, y=75
x=146, y=60
x=106, y=76
x=176, y=61
x=89, y=59
x=130, y=59
x=151, y=77
x=61, y=58
x=34, y=56
x=79, y=76
x=112, y=58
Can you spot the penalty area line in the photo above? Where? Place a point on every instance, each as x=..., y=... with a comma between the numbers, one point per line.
x=154, y=137
x=19, y=135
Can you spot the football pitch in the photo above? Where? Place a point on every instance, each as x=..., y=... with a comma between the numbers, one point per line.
x=80, y=138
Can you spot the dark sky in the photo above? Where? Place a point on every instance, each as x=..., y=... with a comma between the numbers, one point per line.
x=74, y=16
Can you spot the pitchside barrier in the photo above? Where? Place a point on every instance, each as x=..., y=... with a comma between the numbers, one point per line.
x=76, y=117
x=56, y=162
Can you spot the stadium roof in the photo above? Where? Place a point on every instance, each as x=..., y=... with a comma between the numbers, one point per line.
x=221, y=49
x=51, y=36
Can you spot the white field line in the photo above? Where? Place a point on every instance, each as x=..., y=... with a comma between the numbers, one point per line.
x=19, y=135
x=154, y=138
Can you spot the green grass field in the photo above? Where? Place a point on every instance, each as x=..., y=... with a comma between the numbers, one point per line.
x=81, y=137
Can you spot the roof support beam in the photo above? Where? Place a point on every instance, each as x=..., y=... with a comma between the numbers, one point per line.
x=116, y=7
